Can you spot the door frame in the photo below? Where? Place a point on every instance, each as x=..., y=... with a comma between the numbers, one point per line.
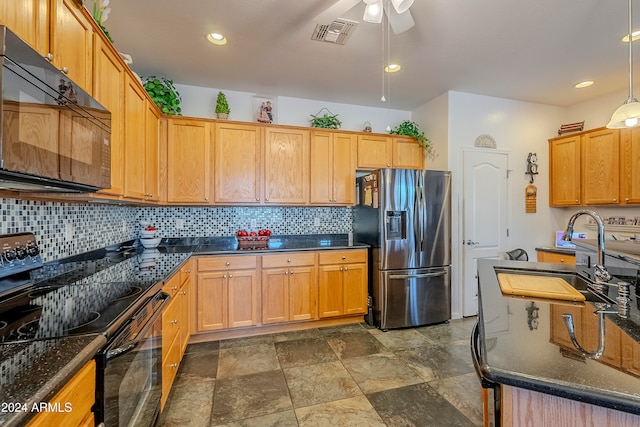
x=457, y=249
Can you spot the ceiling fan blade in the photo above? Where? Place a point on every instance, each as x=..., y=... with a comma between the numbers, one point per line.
x=400, y=22
x=334, y=11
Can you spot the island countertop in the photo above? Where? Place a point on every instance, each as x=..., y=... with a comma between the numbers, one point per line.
x=523, y=342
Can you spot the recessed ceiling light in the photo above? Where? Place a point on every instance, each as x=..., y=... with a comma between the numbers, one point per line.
x=634, y=36
x=392, y=68
x=217, y=38
x=585, y=83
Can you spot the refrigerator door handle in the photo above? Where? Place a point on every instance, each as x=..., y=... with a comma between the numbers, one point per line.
x=417, y=276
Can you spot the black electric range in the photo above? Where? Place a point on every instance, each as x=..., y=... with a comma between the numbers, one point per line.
x=93, y=293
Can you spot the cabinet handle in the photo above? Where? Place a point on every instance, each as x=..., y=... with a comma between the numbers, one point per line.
x=288, y=259
x=187, y=271
x=286, y=272
x=49, y=57
x=174, y=365
x=64, y=70
x=291, y=272
x=615, y=200
x=257, y=199
x=231, y=276
x=184, y=292
x=344, y=257
x=626, y=199
x=346, y=268
x=266, y=199
x=341, y=269
x=224, y=277
x=228, y=263
x=577, y=202
x=175, y=321
x=206, y=199
x=561, y=259
x=174, y=288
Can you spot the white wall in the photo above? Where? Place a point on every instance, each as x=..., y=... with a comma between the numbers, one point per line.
x=519, y=128
x=433, y=119
x=201, y=102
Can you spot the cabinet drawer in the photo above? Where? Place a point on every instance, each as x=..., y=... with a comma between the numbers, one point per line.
x=556, y=258
x=170, y=366
x=216, y=263
x=341, y=257
x=170, y=325
x=172, y=285
x=288, y=260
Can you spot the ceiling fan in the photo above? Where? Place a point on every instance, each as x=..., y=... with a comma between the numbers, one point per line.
x=397, y=12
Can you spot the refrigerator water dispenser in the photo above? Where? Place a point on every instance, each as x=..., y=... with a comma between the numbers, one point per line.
x=396, y=222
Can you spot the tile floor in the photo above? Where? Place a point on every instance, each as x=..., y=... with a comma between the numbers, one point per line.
x=350, y=375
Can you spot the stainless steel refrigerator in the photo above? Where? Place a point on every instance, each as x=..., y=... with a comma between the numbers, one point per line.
x=405, y=215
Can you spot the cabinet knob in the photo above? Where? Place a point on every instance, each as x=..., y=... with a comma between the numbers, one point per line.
x=288, y=259
x=174, y=321
x=224, y=276
x=174, y=365
x=561, y=259
x=577, y=202
x=49, y=57
x=286, y=273
x=174, y=288
x=64, y=70
x=257, y=199
x=228, y=263
x=291, y=272
x=626, y=199
x=346, y=268
x=344, y=257
x=206, y=199
x=266, y=199
x=615, y=200
x=231, y=276
x=187, y=271
x=184, y=292
x=341, y=269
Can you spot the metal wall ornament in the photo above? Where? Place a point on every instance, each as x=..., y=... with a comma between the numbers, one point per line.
x=531, y=191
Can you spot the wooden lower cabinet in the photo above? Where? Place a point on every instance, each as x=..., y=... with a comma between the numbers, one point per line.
x=342, y=283
x=78, y=395
x=227, y=292
x=289, y=287
x=175, y=327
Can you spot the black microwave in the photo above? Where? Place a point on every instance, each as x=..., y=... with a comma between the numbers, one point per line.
x=55, y=136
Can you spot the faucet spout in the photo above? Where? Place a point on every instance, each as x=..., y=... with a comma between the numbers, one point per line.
x=601, y=275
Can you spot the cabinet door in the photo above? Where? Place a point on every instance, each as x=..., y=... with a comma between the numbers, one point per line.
x=374, y=151
x=152, y=154
x=184, y=298
x=212, y=298
x=29, y=19
x=286, y=166
x=302, y=293
x=355, y=288
x=344, y=168
x=188, y=161
x=108, y=89
x=629, y=161
x=407, y=153
x=243, y=298
x=564, y=171
x=71, y=43
x=330, y=295
x=321, y=168
x=237, y=156
x=135, y=110
x=275, y=295
x=600, y=167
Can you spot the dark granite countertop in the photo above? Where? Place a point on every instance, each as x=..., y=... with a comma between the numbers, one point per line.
x=556, y=250
x=42, y=368
x=33, y=372
x=521, y=342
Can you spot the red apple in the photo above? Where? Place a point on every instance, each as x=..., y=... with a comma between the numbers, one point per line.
x=253, y=233
x=267, y=232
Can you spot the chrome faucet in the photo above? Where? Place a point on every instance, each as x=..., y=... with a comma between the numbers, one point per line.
x=600, y=274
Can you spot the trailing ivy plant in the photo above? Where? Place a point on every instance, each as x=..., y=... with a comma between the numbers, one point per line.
x=327, y=121
x=410, y=128
x=164, y=94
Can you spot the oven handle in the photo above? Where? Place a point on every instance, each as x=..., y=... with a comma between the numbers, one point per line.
x=130, y=345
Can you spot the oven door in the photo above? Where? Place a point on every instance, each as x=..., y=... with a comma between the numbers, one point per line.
x=130, y=370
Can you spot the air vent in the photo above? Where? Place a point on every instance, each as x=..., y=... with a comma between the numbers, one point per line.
x=338, y=32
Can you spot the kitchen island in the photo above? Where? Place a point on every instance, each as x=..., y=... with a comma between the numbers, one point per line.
x=523, y=348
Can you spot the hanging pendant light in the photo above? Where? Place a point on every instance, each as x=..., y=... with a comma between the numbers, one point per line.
x=628, y=114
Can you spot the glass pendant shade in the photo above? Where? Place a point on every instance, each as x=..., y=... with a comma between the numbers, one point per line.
x=626, y=115
x=401, y=5
x=373, y=12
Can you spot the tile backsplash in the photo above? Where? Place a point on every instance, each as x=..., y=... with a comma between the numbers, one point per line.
x=66, y=229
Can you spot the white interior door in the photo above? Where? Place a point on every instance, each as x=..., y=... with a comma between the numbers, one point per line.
x=485, y=216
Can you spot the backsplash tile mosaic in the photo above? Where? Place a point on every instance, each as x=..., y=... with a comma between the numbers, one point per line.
x=66, y=229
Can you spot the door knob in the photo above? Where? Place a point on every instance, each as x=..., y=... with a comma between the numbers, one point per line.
x=470, y=243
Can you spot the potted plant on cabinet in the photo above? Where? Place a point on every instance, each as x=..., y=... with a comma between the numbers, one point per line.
x=164, y=94
x=222, y=106
x=410, y=128
x=327, y=121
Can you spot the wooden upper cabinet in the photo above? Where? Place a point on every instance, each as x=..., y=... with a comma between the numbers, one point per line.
x=188, y=161
x=407, y=153
x=332, y=168
x=286, y=166
x=564, y=171
x=600, y=167
x=108, y=89
x=135, y=110
x=152, y=153
x=375, y=151
x=629, y=161
x=29, y=19
x=237, y=163
x=71, y=42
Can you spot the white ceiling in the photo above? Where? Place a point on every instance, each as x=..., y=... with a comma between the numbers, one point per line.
x=531, y=50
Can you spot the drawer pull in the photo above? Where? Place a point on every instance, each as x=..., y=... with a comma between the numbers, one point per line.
x=174, y=288
x=228, y=263
x=174, y=365
x=174, y=321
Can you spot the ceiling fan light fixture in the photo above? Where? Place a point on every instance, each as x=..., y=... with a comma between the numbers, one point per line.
x=628, y=114
x=373, y=12
x=401, y=5
x=583, y=84
x=392, y=68
x=634, y=36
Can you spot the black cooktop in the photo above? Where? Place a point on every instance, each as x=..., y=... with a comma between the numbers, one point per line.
x=85, y=295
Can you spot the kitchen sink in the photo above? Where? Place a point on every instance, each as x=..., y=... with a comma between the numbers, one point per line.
x=581, y=284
